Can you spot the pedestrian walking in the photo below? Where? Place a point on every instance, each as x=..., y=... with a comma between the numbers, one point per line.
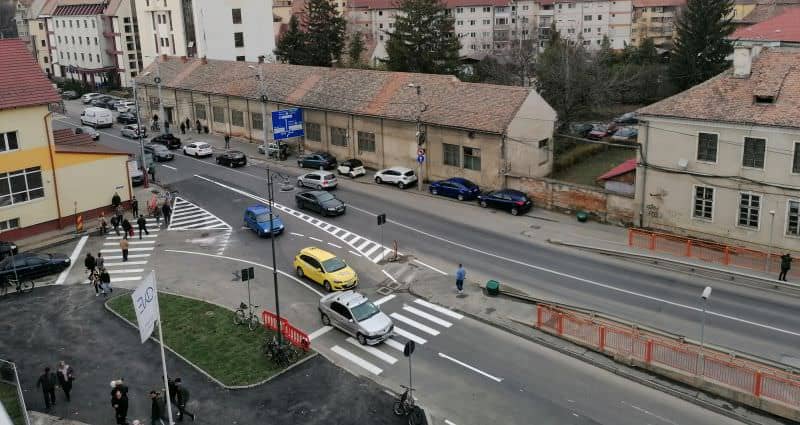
x=123, y=245
x=158, y=408
x=227, y=141
x=119, y=402
x=188, y=124
x=94, y=279
x=90, y=263
x=100, y=261
x=461, y=274
x=120, y=213
x=65, y=375
x=182, y=398
x=142, y=223
x=786, y=264
x=115, y=224
x=103, y=225
x=157, y=215
x=199, y=127
x=105, y=282
x=116, y=200
x=167, y=211
x=173, y=391
x=183, y=128
x=152, y=171
x=127, y=228
x=47, y=381
x=135, y=206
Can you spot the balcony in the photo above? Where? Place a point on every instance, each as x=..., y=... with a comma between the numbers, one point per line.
x=113, y=51
x=109, y=34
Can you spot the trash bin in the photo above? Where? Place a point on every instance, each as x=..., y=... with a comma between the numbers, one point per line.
x=493, y=287
x=582, y=216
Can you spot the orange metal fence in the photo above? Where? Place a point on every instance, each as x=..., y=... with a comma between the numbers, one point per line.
x=755, y=379
x=294, y=335
x=712, y=252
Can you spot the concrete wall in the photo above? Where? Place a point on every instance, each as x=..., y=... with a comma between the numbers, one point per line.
x=88, y=181
x=213, y=17
x=533, y=123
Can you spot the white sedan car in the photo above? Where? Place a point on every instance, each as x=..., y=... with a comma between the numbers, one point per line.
x=126, y=106
x=198, y=149
x=131, y=130
x=401, y=176
x=317, y=180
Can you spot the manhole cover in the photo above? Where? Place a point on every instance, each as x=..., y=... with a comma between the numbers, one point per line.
x=384, y=290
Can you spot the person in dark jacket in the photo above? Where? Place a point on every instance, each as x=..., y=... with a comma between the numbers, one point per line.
x=119, y=401
x=173, y=391
x=135, y=206
x=142, y=223
x=115, y=224
x=90, y=263
x=105, y=282
x=47, y=381
x=183, y=128
x=158, y=408
x=183, y=399
x=167, y=211
x=126, y=227
x=786, y=264
x=116, y=200
x=65, y=375
x=198, y=126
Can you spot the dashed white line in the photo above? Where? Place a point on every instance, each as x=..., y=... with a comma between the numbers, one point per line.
x=389, y=276
x=472, y=368
x=315, y=239
x=168, y=166
x=430, y=267
x=297, y=234
x=354, y=253
x=334, y=245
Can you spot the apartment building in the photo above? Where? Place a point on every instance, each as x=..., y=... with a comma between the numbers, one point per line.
x=93, y=41
x=588, y=22
x=655, y=19
x=33, y=31
x=225, y=30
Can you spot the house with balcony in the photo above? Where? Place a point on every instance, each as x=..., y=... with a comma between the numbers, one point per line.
x=655, y=20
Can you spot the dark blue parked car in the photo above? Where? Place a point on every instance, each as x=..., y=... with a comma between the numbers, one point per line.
x=455, y=187
x=510, y=200
x=256, y=218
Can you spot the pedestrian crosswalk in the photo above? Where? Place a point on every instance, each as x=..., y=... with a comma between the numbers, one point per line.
x=188, y=216
x=140, y=251
x=416, y=321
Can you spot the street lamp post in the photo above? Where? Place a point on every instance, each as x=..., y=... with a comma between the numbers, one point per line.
x=769, y=247
x=139, y=130
x=160, y=99
x=264, y=99
x=706, y=293
x=420, y=137
x=271, y=198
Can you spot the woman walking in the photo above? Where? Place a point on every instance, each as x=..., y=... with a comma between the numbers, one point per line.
x=65, y=377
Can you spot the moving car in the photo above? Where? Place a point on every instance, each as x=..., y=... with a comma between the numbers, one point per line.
x=317, y=160
x=8, y=248
x=324, y=268
x=94, y=134
x=30, y=265
x=625, y=134
x=320, y=201
x=96, y=117
x=401, y=176
x=127, y=118
x=352, y=167
x=317, y=180
x=353, y=314
x=69, y=94
x=132, y=131
x=198, y=149
x=510, y=200
x=456, y=187
x=88, y=97
x=102, y=101
x=232, y=159
x=256, y=218
x=167, y=139
x=160, y=152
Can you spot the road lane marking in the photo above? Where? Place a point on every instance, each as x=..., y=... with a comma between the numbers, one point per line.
x=119, y=257
x=144, y=236
x=125, y=279
x=430, y=267
x=427, y=316
x=361, y=247
x=116, y=271
x=472, y=368
x=170, y=167
x=315, y=239
x=384, y=299
x=197, y=218
x=149, y=248
x=390, y=277
x=383, y=255
x=374, y=351
x=439, y=308
x=130, y=242
x=394, y=344
x=124, y=263
x=408, y=335
x=372, y=250
x=72, y=259
x=354, y=253
x=649, y=413
x=192, y=222
x=334, y=245
x=345, y=235
x=424, y=328
x=369, y=367
x=319, y=332
x=449, y=422
x=297, y=234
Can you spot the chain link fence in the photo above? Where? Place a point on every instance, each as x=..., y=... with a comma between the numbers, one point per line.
x=11, y=395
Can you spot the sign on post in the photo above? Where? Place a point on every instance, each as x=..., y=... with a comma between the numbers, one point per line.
x=287, y=123
x=145, y=303
x=248, y=274
x=381, y=219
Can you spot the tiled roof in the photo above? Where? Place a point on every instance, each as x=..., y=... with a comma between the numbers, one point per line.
x=725, y=98
x=452, y=103
x=22, y=82
x=784, y=27
x=66, y=141
x=79, y=9
x=625, y=167
x=767, y=9
x=657, y=3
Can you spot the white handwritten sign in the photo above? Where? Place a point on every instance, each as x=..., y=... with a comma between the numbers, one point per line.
x=145, y=303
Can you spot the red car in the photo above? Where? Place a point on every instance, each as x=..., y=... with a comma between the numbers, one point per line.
x=599, y=131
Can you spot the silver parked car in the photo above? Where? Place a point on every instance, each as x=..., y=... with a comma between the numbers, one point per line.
x=317, y=180
x=354, y=314
x=132, y=131
x=94, y=134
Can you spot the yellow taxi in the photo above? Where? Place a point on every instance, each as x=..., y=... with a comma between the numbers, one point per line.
x=325, y=268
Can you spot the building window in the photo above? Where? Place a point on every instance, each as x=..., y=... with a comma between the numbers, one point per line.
x=457, y=23
x=82, y=58
x=749, y=208
x=9, y=224
x=92, y=24
x=487, y=9
x=793, y=219
x=472, y=158
x=237, y=118
x=59, y=39
x=95, y=41
x=754, y=150
x=236, y=15
x=98, y=58
x=338, y=136
x=21, y=186
x=587, y=18
x=703, y=202
x=796, y=158
x=257, y=120
x=313, y=132
x=240, y=58
x=544, y=151
x=459, y=10
x=451, y=155
x=90, y=58
x=707, y=147
x=43, y=43
x=599, y=17
x=218, y=113
x=238, y=39
x=366, y=141
x=8, y=141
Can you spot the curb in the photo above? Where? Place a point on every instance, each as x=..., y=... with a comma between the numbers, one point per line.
x=198, y=368
x=615, y=370
x=49, y=243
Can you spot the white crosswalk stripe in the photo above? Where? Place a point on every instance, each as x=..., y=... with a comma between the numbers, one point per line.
x=408, y=335
x=119, y=257
x=188, y=216
x=374, y=351
x=439, y=309
x=369, y=367
x=125, y=263
x=424, y=328
x=427, y=316
x=394, y=344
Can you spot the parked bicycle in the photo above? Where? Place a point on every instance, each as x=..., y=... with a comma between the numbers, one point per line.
x=405, y=407
x=282, y=355
x=244, y=315
x=21, y=286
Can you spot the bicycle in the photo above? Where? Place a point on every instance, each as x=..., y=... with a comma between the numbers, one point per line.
x=243, y=315
x=404, y=406
x=282, y=355
x=21, y=287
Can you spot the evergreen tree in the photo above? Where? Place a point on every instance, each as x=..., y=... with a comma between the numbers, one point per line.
x=324, y=31
x=701, y=45
x=355, y=49
x=423, y=39
x=291, y=47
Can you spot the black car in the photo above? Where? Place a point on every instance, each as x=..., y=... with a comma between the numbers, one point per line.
x=103, y=101
x=7, y=248
x=169, y=140
x=317, y=160
x=320, y=201
x=126, y=118
x=160, y=152
x=510, y=200
x=69, y=95
x=30, y=265
x=232, y=159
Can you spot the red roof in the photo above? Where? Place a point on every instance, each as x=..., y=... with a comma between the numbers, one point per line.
x=22, y=82
x=657, y=3
x=66, y=141
x=784, y=27
x=79, y=9
x=624, y=168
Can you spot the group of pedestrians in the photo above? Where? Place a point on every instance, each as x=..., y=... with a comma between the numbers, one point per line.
x=118, y=219
x=48, y=381
x=178, y=397
x=98, y=275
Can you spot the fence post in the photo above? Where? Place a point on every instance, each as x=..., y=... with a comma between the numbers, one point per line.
x=560, y=324
x=757, y=385
x=726, y=258
x=630, y=237
x=602, y=330
x=652, y=241
x=648, y=351
x=688, y=248
x=539, y=316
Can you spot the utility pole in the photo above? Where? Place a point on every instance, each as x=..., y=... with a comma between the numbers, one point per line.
x=160, y=99
x=271, y=198
x=420, y=136
x=264, y=99
x=139, y=131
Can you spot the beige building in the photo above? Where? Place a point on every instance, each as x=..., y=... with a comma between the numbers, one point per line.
x=483, y=132
x=723, y=158
x=655, y=19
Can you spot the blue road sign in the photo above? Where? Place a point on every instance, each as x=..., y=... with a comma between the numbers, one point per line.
x=287, y=123
x=420, y=158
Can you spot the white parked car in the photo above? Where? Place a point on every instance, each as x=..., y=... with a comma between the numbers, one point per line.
x=131, y=130
x=401, y=176
x=126, y=106
x=198, y=149
x=88, y=97
x=94, y=134
x=318, y=180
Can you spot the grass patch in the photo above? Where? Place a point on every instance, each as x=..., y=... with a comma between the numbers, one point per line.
x=586, y=171
x=205, y=334
x=8, y=397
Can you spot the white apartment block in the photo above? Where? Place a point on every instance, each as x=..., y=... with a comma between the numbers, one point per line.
x=33, y=31
x=225, y=30
x=587, y=22
x=94, y=42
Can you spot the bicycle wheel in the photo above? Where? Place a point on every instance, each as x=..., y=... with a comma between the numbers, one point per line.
x=26, y=286
x=399, y=408
x=253, y=323
x=238, y=317
x=416, y=416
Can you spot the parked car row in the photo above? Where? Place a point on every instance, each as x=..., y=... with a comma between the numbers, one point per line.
x=28, y=265
x=618, y=129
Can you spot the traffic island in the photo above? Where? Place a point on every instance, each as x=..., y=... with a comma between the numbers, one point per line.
x=204, y=335
x=9, y=400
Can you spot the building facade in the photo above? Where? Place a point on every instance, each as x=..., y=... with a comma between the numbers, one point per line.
x=655, y=19
x=588, y=22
